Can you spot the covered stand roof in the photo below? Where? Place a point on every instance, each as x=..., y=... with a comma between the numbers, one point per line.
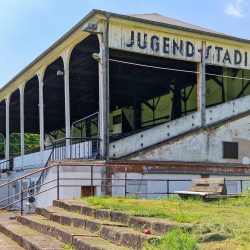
x=167, y=20
x=84, y=76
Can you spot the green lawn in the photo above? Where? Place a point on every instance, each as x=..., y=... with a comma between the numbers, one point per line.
x=220, y=224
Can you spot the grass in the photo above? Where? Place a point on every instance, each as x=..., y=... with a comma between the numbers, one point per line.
x=217, y=224
x=69, y=246
x=177, y=239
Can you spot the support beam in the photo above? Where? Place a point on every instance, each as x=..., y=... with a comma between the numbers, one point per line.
x=40, y=75
x=243, y=89
x=67, y=110
x=7, y=147
x=201, y=85
x=103, y=103
x=66, y=58
x=21, y=89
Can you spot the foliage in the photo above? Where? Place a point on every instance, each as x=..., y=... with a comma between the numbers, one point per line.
x=176, y=239
x=69, y=246
x=30, y=141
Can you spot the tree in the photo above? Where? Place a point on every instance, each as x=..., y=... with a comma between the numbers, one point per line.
x=30, y=141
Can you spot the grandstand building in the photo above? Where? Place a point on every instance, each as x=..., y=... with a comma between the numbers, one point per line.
x=159, y=95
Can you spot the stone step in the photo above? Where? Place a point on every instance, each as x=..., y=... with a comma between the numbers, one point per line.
x=86, y=243
x=64, y=217
x=79, y=238
x=45, y=226
x=113, y=232
x=26, y=237
x=7, y=244
x=156, y=226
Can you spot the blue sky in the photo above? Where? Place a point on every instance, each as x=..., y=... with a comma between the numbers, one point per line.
x=28, y=27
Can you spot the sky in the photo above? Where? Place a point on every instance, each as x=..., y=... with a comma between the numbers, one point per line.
x=29, y=27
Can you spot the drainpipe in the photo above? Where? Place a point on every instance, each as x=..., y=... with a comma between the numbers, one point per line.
x=108, y=97
x=190, y=172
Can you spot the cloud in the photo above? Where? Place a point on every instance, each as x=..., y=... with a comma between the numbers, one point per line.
x=235, y=9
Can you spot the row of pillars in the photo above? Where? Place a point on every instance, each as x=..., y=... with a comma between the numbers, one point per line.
x=103, y=109
x=40, y=73
x=65, y=56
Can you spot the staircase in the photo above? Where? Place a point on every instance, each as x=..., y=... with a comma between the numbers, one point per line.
x=71, y=223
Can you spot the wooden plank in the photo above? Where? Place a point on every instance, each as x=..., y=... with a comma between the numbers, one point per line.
x=206, y=189
x=214, y=196
x=189, y=193
x=193, y=193
x=220, y=181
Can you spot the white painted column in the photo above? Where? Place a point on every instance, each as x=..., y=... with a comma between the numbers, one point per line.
x=41, y=117
x=201, y=86
x=66, y=58
x=7, y=148
x=67, y=110
x=21, y=89
x=103, y=103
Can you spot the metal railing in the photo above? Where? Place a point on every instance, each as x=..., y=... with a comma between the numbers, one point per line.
x=80, y=147
x=87, y=126
x=102, y=183
x=6, y=165
x=56, y=181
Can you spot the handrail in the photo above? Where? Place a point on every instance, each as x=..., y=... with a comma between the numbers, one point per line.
x=63, y=164
x=45, y=165
x=10, y=160
x=78, y=138
x=91, y=179
x=27, y=175
x=57, y=179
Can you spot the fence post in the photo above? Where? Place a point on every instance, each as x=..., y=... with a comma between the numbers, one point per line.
x=168, y=187
x=92, y=181
x=125, y=181
x=21, y=196
x=241, y=189
x=57, y=182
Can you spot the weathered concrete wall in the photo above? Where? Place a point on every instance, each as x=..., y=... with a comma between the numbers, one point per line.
x=200, y=143
x=204, y=146
x=154, y=135
x=227, y=110
x=46, y=198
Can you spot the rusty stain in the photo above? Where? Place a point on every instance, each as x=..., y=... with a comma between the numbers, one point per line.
x=139, y=166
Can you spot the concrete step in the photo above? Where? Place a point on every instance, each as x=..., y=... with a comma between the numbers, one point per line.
x=8, y=244
x=45, y=226
x=26, y=237
x=113, y=232
x=79, y=238
x=156, y=226
x=64, y=217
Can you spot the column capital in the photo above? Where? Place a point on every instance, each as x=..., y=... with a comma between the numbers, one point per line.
x=7, y=99
x=40, y=74
x=66, y=56
x=21, y=89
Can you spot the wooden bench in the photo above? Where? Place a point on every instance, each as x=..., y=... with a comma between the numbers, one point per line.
x=203, y=189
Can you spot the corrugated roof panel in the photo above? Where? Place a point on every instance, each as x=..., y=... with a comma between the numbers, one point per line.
x=163, y=19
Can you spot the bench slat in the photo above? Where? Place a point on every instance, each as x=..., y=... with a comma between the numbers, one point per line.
x=189, y=193
x=219, y=181
x=206, y=189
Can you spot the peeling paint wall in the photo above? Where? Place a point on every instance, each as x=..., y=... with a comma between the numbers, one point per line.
x=154, y=135
x=204, y=146
x=200, y=142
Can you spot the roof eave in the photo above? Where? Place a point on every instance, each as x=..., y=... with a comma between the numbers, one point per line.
x=136, y=19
